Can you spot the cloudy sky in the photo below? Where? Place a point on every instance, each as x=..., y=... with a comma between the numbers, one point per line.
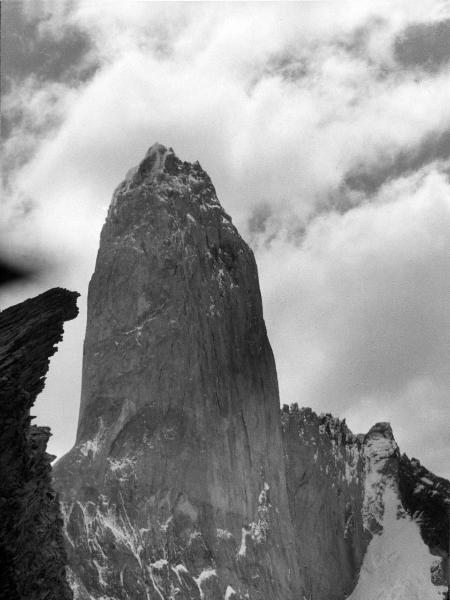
x=326, y=130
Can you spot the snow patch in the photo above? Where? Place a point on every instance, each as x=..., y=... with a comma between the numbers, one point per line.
x=181, y=569
x=243, y=547
x=204, y=577
x=258, y=530
x=397, y=563
x=92, y=447
x=159, y=564
x=229, y=593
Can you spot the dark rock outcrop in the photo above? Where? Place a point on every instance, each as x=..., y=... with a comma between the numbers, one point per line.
x=426, y=498
x=176, y=486
x=32, y=553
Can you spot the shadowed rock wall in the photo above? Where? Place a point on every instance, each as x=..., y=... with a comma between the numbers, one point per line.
x=426, y=497
x=32, y=553
x=325, y=475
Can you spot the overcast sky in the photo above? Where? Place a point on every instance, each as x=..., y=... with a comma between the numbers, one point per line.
x=326, y=130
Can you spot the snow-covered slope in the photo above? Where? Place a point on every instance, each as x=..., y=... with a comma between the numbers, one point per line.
x=398, y=565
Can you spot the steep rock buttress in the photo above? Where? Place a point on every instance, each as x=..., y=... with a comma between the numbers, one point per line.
x=32, y=554
x=176, y=485
x=325, y=477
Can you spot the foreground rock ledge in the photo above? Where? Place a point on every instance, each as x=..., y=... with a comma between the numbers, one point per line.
x=32, y=554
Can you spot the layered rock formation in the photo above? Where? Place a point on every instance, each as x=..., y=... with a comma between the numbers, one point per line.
x=183, y=482
x=32, y=553
x=176, y=486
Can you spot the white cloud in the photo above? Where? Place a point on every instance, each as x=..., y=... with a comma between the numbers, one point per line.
x=357, y=308
x=358, y=314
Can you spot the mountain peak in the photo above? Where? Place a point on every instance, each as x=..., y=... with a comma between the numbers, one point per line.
x=155, y=159
x=157, y=148
x=179, y=404
x=382, y=429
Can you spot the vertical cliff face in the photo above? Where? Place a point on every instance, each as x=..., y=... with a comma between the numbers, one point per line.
x=325, y=470
x=368, y=522
x=32, y=554
x=176, y=486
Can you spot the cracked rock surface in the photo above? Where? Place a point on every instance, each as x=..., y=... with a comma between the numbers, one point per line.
x=32, y=554
x=176, y=485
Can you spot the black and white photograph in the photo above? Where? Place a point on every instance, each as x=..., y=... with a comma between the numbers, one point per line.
x=225, y=300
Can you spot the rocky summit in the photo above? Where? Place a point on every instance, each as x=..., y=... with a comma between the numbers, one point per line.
x=185, y=482
x=176, y=486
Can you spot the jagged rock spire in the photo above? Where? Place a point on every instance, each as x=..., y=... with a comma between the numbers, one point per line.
x=178, y=462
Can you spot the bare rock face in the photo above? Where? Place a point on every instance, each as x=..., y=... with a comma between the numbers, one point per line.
x=32, y=554
x=176, y=485
x=325, y=470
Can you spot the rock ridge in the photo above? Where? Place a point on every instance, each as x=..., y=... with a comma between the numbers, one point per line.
x=32, y=553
